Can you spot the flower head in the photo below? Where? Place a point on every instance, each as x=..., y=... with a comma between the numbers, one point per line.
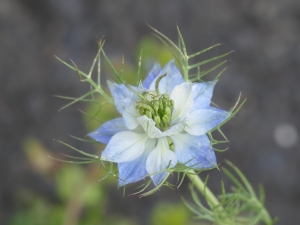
x=164, y=122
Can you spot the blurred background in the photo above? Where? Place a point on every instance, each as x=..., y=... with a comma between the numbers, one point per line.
x=264, y=135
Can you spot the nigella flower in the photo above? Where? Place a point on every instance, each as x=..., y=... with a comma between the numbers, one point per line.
x=164, y=122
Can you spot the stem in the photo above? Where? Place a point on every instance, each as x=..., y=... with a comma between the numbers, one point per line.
x=209, y=196
x=266, y=217
x=212, y=200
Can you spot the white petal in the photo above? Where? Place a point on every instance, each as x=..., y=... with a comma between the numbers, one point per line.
x=159, y=159
x=194, y=151
x=183, y=100
x=105, y=132
x=202, y=93
x=149, y=127
x=135, y=170
x=173, y=78
x=125, y=146
x=130, y=113
x=203, y=120
x=153, y=132
x=174, y=129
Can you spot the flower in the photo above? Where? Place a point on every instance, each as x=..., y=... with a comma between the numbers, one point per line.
x=164, y=122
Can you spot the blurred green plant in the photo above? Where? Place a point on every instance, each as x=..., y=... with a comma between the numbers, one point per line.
x=79, y=198
x=170, y=214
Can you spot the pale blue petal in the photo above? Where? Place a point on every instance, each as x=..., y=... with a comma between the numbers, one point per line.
x=105, y=132
x=202, y=94
x=119, y=93
x=201, y=121
x=194, y=151
x=183, y=101
x=125, y=146
x=159, y=159
x=133, y=171
x=130, y=113
x=152, y=75
x=169, y=82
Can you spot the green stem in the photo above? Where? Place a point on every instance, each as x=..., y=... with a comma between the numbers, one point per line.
x=214, y=202
x=266, y=217
x=204, y=190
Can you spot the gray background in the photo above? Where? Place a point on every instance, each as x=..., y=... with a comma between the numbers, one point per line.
x=265, y=35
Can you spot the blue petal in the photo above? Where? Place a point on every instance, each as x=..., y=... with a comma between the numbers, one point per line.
x=119, y=93
x=201, y=121
x=152, y=75
x=105, y=132
x=202, y=93
x=133, y=171
x=173, y=78
x=194, y=151
x=125, y=146
x=159, y=159
x=130, y=113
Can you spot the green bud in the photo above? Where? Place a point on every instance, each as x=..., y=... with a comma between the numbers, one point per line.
x=165, y=119
x=165, y=96
x=157, y=120
x=148, y=114
x=171, y=102
x=161, y=106
x=168, y=111
x=156, y=105
x=142, y=111
x=165, y=103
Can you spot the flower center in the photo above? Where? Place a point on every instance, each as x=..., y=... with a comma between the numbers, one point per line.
x=159, y=108
x=155, y=106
